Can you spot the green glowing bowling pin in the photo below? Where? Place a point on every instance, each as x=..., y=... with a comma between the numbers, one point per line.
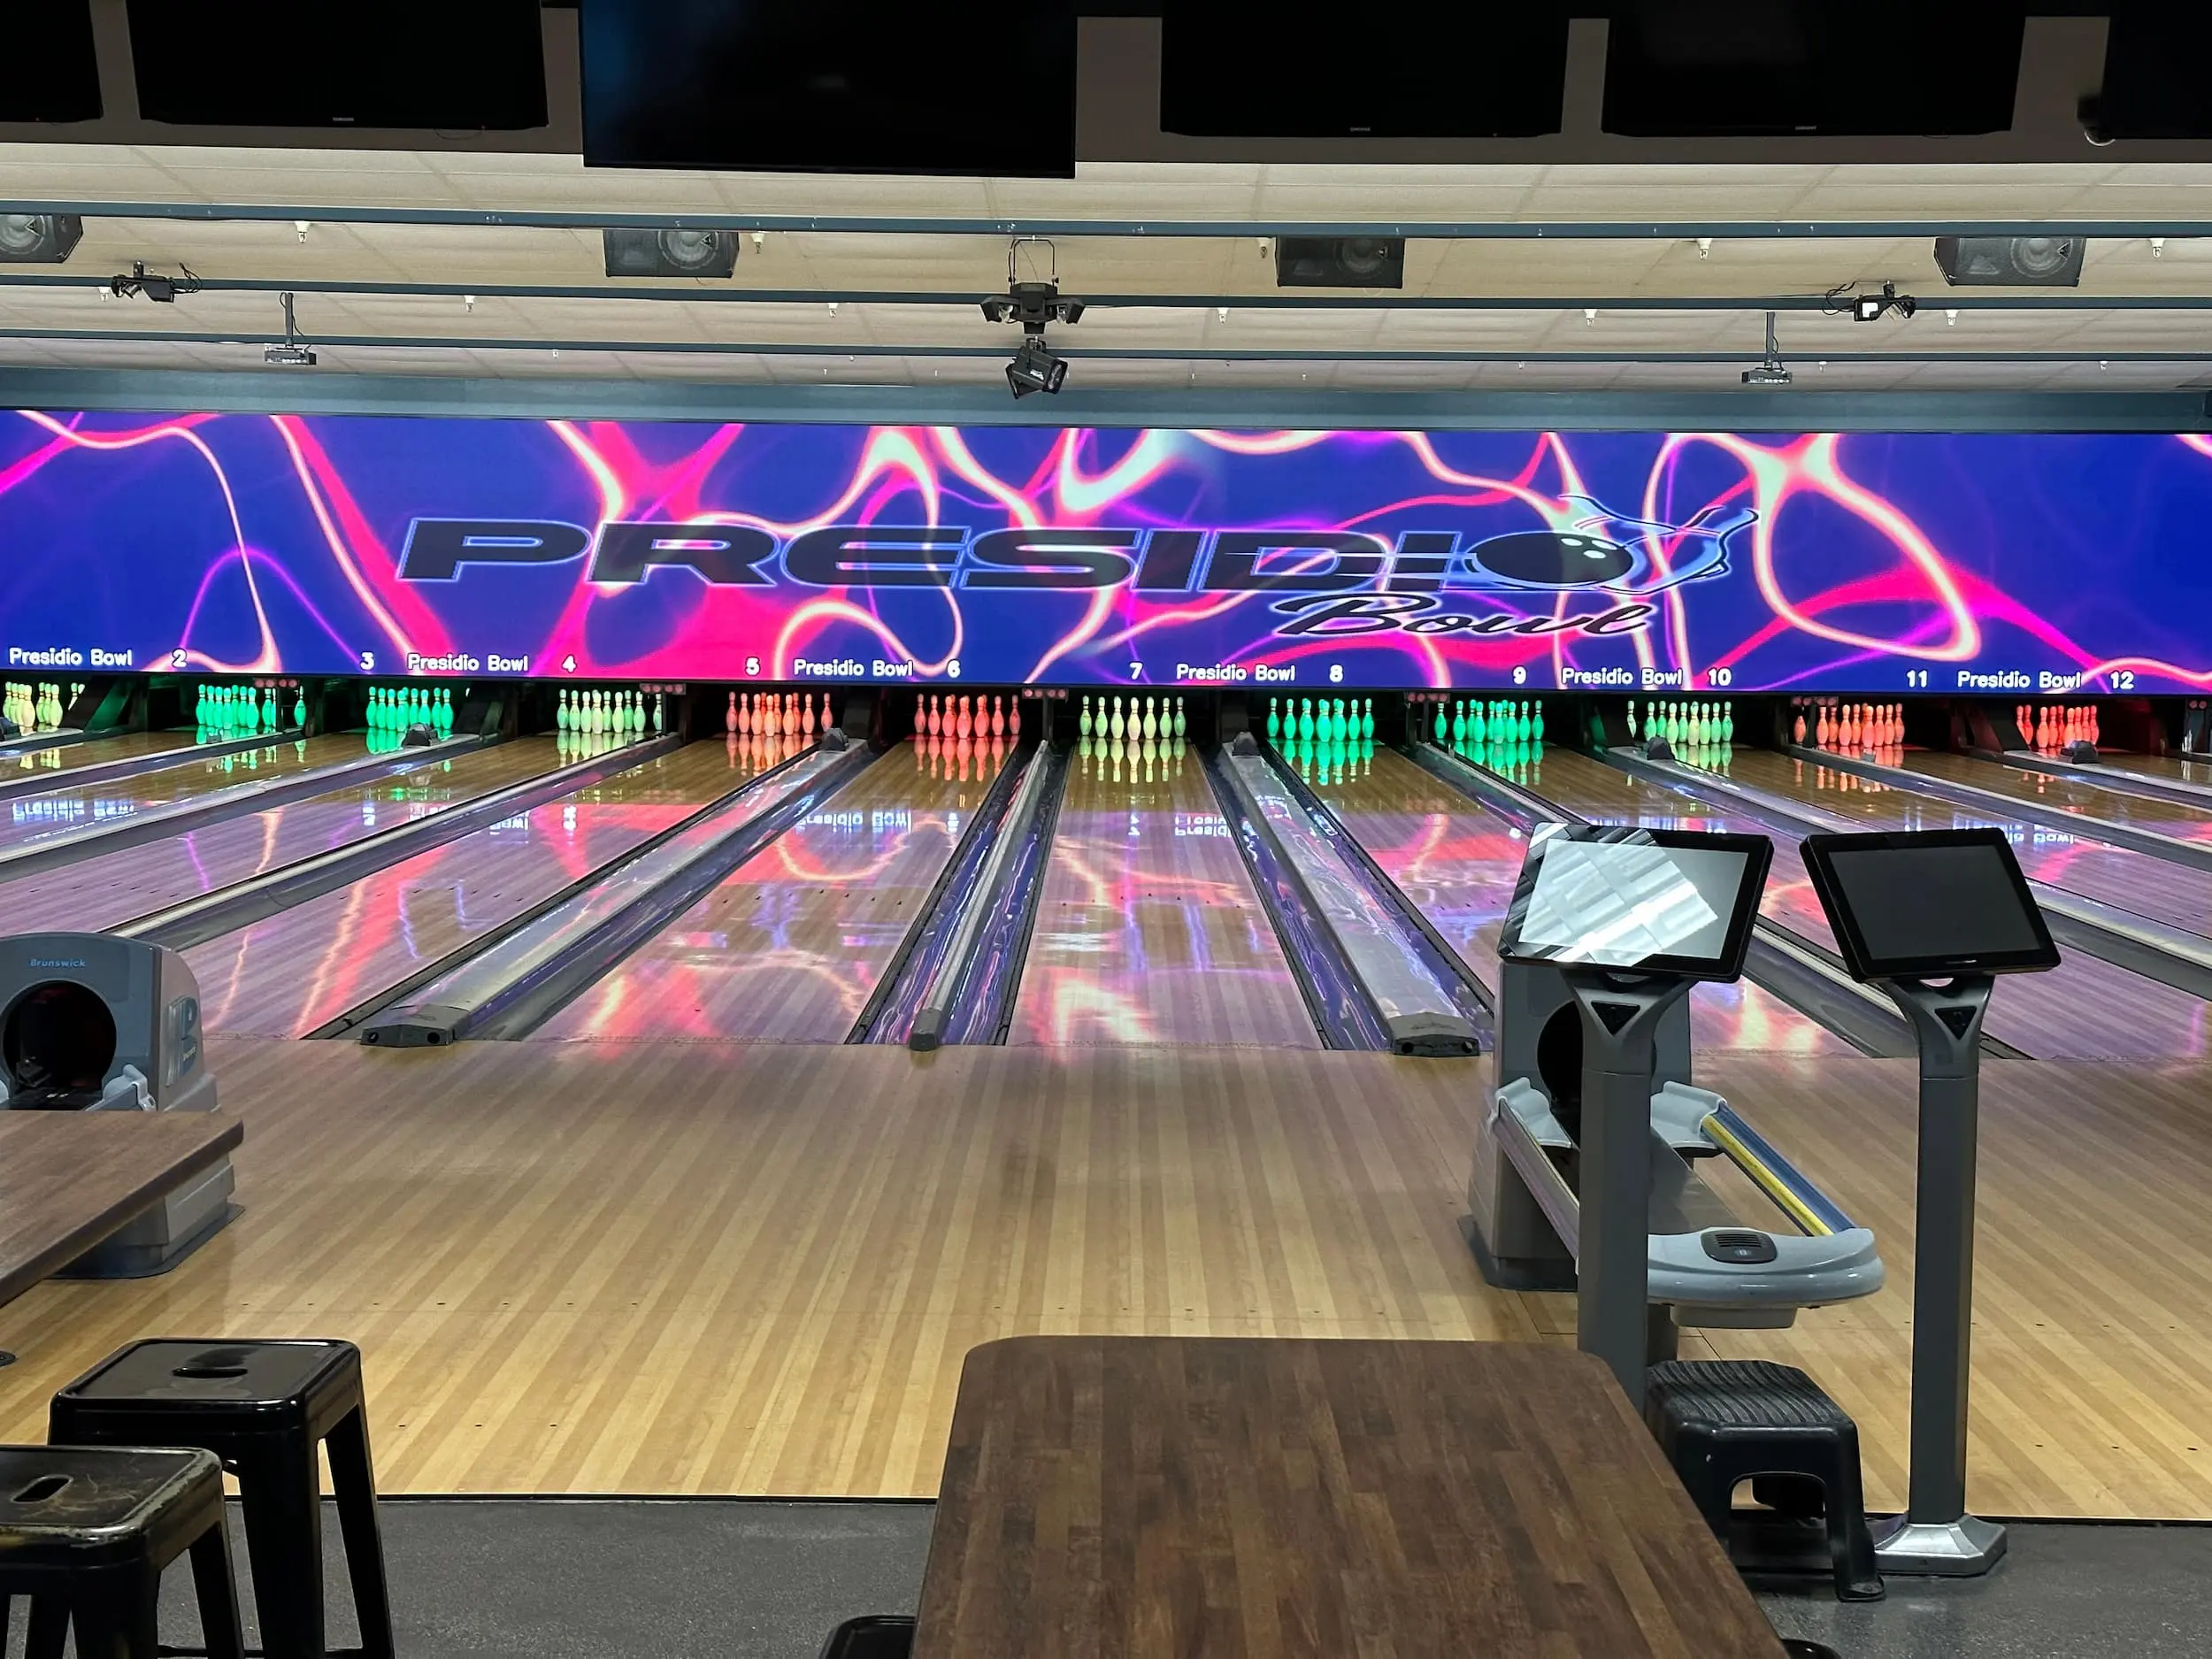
x=299, y=709
x=1728, y=722
x=1182, y=723
x=1274, y=722
x=1083, y=722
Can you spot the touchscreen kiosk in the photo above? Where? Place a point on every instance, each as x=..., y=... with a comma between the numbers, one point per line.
x=1932, y=917
x=1929, y=904
x=1632, y=919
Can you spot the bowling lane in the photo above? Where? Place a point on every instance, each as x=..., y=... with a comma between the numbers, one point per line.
x=791, y=945
x=58, y=761
x=1605, y=794
x=1457, y=864
x=2098, y=869
x=35, y=818
x=2084, y=1009
x=287, y=975
x=1148, y=929
x=2196, y=769
x=120, y=886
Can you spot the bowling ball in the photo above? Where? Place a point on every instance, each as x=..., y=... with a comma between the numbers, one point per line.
x=1554, y=558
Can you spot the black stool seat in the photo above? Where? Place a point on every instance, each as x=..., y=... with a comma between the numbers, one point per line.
x=262, y=1407
x=877, y=1636
x=1724, y=1422
x=85, y=1532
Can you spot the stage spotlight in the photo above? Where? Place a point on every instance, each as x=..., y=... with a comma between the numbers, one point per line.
x=1035, y=369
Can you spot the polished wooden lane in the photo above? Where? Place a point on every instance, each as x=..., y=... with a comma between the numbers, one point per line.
x=117, y=887
x=756, y=1268
x=68, y=1180
x=2084, y=1009
x=1457, y=864
x=2064, y=793
x=1159, y=1497
x=59, y=760
x=303, y=967
x=791, y=945
x=1148, y=929
x=52, y=812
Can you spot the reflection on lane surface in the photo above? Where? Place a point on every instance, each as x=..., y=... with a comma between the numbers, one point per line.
x=119, y=886
x=32, y=820
x=790, y=945
x=299, y=970
x=2142, y=882
x=2084, y=1009
x=1148, y=930
x=1457, y=864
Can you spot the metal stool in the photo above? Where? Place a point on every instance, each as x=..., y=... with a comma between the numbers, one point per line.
x=261, y=1407
x=877, y=1636
x=1722, y=1421
x=85, y=1532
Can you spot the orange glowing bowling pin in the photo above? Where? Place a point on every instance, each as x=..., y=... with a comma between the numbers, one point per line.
x=998, y=716
x=825, y=713
x=1820, y=725
x=1797, y=729
x=729, y=716
x=2094, y=724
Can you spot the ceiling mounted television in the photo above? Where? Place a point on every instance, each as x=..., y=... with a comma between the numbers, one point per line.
x=456, y=65
x=1708, y=68
x=1427, y=69
x=874, y=85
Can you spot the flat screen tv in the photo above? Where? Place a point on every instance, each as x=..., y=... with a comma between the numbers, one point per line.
x=872, y=86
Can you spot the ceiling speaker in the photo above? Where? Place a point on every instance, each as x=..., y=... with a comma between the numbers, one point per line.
x=39, y=238
x=1341, y=262
x=671, y=253
x=2033, y=262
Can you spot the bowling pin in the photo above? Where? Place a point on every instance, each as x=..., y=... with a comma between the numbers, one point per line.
x=1116, y=730
x=1082, y=726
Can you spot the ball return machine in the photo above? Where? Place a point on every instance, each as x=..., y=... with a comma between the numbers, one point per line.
x=1586, y=1173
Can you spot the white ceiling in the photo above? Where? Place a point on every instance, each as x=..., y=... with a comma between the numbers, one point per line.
x=510, y=337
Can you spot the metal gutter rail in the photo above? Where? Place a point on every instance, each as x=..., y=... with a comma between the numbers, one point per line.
x=515, y=985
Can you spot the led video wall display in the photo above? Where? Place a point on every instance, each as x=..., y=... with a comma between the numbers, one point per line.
x=2004, y=564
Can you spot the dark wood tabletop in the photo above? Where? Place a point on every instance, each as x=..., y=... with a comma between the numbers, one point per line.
x=69, y=1179
x=1209, y=1498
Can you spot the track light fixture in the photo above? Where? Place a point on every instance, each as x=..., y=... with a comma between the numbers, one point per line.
x=1032, y=304
x=163, y=290
x=1035, y=368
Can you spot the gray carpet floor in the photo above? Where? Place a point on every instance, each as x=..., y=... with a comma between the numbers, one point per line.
x=547, y=1578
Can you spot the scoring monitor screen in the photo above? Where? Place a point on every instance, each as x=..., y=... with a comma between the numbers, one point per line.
x=1635, y=900
x=1929, y=902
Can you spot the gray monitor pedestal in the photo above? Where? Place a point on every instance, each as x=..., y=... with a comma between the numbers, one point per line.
x=1936, y=1537
x=1621, y=1013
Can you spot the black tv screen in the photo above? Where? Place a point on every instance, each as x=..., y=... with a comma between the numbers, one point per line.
x=465, y=66
x=1929, y=903
x=59, y=77
x=1423, y=69
x=1679, y=68
x=871, y=86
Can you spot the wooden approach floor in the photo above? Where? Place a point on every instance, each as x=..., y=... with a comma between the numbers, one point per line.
x=755, y=1268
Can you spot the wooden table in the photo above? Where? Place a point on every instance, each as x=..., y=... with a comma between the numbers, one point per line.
x=1134, y=1497
x=70, y=1179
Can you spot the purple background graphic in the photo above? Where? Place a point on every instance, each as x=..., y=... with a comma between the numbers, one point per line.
x=1862, y=563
